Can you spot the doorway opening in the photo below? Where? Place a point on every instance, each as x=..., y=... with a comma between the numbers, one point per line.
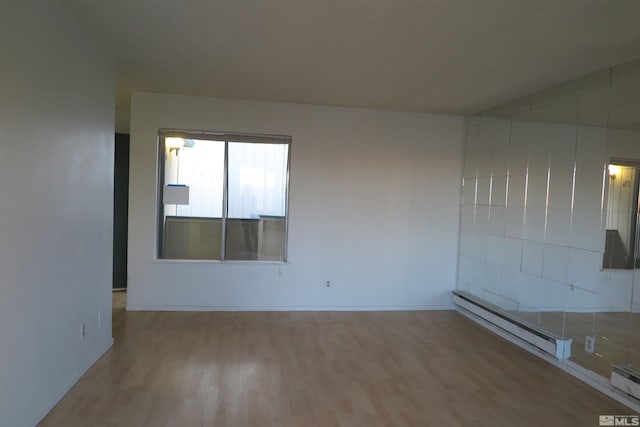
x=120, y=211
x=621, y=241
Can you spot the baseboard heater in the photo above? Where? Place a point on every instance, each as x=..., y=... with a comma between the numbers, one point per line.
x=556, y=346
x=627, y=379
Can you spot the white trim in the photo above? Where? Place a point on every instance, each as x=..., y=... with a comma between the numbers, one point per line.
x=134, y=307
x=217, y=261
x=65, y=388
x=586, y=376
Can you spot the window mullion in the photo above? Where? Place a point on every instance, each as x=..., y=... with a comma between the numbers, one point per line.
x=225, y=194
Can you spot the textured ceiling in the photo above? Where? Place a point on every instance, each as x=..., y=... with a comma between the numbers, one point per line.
x=439, y=56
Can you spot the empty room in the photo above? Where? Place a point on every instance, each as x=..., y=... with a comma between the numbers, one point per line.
x=319, y=213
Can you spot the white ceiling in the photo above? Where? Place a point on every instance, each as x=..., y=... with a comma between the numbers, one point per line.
x=439, y=56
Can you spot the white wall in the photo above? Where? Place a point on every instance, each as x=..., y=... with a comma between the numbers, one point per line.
x=56, y=197
x=374, y=201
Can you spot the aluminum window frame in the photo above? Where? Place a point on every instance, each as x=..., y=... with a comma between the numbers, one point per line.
x=225, y=137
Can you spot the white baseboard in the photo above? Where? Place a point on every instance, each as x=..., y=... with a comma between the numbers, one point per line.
x=290, y=308
x=586, y=376
x=65, y=389
x=556, y=346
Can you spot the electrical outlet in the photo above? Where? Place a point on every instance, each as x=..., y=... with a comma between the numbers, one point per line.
x=99, y=319
x=82, y=331
x=589, y=343
x=328, y=283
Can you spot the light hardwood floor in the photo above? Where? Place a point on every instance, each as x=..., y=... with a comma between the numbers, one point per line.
x=320, y=369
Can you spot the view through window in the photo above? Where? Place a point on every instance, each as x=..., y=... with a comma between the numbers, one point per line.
x=223, y=196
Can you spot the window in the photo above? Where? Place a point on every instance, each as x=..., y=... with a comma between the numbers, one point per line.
x=222, y=196
x=621, y=243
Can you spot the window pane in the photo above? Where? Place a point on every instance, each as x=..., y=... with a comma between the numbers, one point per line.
x=256, y=201
x=192, y=199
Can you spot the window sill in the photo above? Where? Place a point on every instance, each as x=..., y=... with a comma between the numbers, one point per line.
x=216, y=261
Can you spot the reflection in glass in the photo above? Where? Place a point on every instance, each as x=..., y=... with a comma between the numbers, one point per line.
x=549, y=227
x=257, y=201
x=622, y=207
x=192, y=202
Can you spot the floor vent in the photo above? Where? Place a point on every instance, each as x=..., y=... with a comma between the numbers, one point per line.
x=558, y=347
x=626, y=379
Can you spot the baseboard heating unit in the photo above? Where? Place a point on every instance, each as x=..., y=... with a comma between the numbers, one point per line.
x=627, y=379
x=558, y=347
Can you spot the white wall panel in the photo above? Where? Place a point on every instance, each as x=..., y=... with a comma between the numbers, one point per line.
x=534, y=224
x=518, y=159
x=497, y=220
x=500, y=161
x=560, y=190
x=538, y=158
x=555, y=264
x=374, y=207
x=584, y=269
x=511, y=253
x=558, y=229
x=483, y=191
x=537, y=190
x=514, y=222
x=498, y=190
x=591, y=150
x=517, y=190
x=587, y=231
x=532, y=257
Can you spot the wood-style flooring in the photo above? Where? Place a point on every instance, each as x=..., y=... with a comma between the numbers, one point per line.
x=433, y=368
